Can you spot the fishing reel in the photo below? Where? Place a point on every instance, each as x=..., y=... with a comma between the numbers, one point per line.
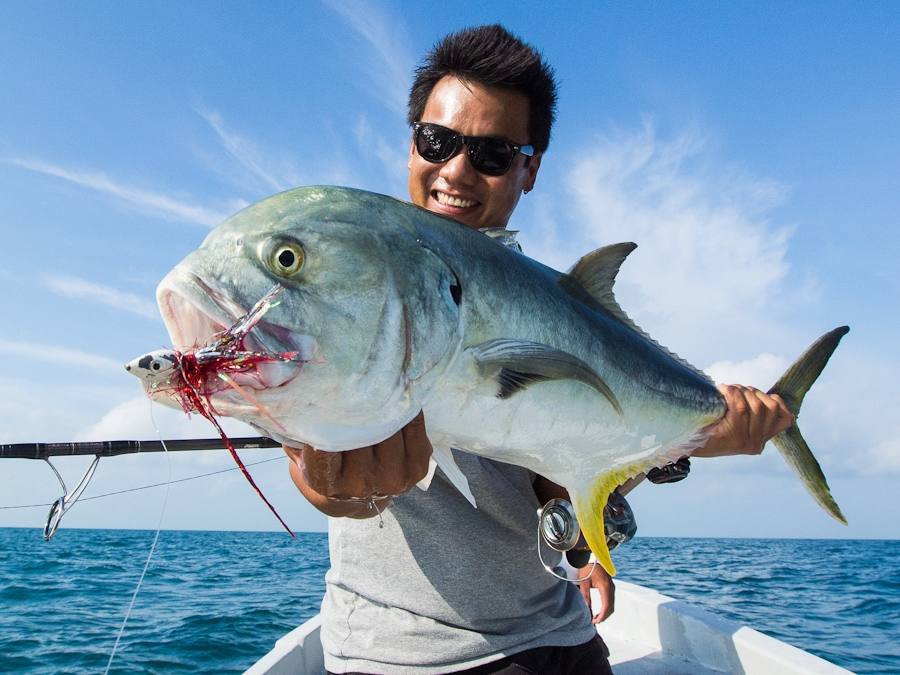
x=670, y=473
x=558, y=528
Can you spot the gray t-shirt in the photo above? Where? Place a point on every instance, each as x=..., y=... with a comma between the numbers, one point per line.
x=444, y=586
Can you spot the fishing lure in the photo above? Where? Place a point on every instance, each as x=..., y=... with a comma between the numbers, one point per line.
x=191, y=376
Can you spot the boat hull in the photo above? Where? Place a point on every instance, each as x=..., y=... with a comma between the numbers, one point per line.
x=649, y=633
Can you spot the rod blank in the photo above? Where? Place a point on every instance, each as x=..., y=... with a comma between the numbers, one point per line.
x=114, y=448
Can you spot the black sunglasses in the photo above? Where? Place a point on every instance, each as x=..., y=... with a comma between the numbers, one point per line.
x=489, y=154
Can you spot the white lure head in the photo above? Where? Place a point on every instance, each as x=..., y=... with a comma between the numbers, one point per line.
x=154, y=367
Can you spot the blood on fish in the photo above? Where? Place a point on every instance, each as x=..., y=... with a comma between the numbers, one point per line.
x=196, y=380
x=251, y=399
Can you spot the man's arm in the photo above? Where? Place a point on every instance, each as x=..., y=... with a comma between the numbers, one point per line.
x=545, y=490
x=346, y=484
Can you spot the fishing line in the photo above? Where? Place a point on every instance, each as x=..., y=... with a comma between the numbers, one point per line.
x=147, y=487
x=552, y=570
x=152, y=546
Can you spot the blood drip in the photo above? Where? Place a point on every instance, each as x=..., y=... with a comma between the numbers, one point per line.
x=198, y=377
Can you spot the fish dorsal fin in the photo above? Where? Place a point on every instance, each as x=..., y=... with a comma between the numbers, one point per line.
x=595, y=273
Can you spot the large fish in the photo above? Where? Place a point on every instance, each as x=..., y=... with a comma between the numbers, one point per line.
x=388, y=309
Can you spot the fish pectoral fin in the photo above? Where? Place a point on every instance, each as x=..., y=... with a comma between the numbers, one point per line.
x=425, y=483
x=517, y=364
x=443, y=458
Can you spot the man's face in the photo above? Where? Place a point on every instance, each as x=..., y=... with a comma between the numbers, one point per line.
x=455, y=188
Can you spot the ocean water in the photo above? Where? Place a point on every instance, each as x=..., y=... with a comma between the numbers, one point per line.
x=214, y=602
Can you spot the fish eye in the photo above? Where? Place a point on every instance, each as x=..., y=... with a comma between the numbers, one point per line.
x=285, y=258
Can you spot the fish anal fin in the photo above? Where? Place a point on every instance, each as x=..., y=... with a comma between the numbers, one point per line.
x=589, y=500
x=516, y=364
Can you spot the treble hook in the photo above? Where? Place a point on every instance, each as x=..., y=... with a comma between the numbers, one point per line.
x=61, y=506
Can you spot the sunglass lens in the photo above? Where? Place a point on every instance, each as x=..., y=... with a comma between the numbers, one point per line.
x=491, y=156
x=434, y=143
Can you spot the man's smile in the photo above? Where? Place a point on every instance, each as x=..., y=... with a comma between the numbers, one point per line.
x=453, y=201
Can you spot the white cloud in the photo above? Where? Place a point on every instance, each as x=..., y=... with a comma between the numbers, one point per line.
x=59, y=355
x=54, y=409
x=703, y=235
x=883, y=458
x=150, y=202
x=75, y=287
x=271, y=176
x=760, y=372
x=389, y=75
x=136, y=418
x=709, y=264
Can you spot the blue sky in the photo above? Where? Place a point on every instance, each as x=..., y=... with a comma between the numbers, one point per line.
x=752, y=151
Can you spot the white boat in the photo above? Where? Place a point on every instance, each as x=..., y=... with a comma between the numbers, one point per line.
x=648, y=633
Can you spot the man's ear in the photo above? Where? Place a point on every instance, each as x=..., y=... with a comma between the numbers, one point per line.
x=412, y=152
x=532, y=169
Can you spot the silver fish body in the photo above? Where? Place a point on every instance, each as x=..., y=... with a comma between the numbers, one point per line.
x=394, y=309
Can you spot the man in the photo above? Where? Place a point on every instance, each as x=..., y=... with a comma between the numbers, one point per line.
x=420, y=582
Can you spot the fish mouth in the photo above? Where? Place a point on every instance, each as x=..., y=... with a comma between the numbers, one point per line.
x=197, y=314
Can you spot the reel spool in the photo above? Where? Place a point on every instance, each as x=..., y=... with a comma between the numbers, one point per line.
x=558, y=525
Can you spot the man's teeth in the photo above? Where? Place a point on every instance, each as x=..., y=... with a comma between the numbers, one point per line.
x=449, y=200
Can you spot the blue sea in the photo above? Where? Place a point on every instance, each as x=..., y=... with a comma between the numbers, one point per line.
x=214, y=602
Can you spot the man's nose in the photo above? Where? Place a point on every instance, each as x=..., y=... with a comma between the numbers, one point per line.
x=459, y=169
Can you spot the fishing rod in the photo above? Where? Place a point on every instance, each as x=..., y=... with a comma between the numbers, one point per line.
x=98, y=449
x=115, y=448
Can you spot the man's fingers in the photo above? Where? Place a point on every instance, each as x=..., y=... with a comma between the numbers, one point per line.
x=321, y=470
x=418, y=448
x=758, y=422
x=607, y=589
x=389, y=465
x=783, y=415
x=292, y=453
x=585, y=589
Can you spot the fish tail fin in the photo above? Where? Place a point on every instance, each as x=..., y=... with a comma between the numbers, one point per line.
x=792, y=387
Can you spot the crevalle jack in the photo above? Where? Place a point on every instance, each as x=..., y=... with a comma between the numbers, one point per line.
x=388, y=309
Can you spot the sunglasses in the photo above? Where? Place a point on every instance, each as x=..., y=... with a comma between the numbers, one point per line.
x=488, y=154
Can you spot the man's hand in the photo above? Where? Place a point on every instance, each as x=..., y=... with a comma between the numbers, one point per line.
x=752, y=418
x=346, y=483
x=600, y=580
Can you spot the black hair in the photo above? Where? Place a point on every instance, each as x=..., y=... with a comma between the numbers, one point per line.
x=491, y=56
